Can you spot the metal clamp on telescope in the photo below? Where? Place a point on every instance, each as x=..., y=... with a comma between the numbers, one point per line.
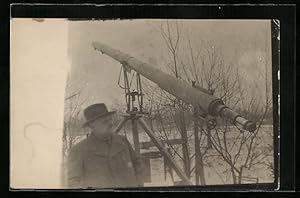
x=217, y=108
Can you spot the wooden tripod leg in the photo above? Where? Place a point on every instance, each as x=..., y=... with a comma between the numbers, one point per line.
x=164, y=152
x=135, y=134
x=119, y=127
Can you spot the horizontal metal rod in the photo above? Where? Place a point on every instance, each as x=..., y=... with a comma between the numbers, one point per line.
x=147, y=145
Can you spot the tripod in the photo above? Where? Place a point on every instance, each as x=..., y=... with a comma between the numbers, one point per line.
x=136, y=117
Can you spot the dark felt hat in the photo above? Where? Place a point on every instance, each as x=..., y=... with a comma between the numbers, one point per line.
x=95, y=111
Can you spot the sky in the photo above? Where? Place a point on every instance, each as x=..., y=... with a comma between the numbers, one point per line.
x=244, y=43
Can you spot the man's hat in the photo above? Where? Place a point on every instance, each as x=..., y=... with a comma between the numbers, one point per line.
x=95, y=111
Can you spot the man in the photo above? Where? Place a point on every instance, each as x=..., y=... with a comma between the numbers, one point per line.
x=103, y=159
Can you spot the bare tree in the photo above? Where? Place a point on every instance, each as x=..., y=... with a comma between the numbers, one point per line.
x=242, y=150
x=72, y=121
x=171, y=39
x=234, y=150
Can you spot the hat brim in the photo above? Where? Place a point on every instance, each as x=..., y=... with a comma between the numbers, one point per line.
x=97, y=117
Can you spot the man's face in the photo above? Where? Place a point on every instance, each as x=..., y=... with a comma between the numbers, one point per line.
x=102, y=125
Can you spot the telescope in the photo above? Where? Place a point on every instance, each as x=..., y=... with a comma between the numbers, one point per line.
x=208, y=103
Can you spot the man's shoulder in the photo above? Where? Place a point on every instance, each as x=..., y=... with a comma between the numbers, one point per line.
x=80, y=145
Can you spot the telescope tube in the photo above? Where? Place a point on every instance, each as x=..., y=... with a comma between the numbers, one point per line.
x=180, y=89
